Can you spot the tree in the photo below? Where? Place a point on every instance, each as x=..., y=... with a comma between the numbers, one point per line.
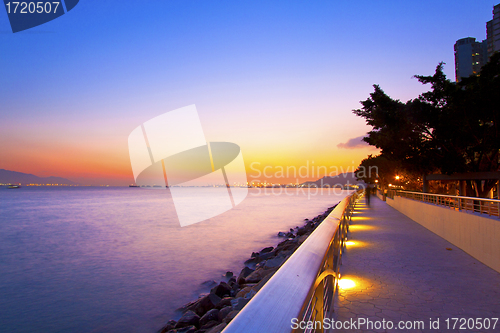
x=376, y=169
x=452, y=128
x=384, y=172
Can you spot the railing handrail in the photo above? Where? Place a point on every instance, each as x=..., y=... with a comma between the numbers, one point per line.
x=491, y=207
x=448, y=195
x=283, y=297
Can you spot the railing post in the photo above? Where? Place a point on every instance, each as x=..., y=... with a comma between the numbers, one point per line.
x=319, y=306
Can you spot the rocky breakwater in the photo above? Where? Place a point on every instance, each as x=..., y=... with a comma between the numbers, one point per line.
x=213, y=311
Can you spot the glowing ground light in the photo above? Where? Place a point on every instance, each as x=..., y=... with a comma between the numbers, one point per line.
x=346, y=284
x=358, y=218
x=358, y=227
x=352, y=244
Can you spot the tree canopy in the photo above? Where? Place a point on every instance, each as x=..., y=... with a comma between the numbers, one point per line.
x=453, y=127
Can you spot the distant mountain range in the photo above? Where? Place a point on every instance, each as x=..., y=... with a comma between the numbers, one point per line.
x=337, y=181
x=14, y=177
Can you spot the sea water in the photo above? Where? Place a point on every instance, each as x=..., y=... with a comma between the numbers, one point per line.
x=92, y=259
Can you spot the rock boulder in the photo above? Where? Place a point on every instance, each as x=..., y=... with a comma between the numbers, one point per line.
x=189, y=318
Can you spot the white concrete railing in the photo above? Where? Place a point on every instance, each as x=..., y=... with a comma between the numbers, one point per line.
x=303, y=287
x=490, y=207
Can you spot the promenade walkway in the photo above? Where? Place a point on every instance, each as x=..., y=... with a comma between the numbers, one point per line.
x=404, y=272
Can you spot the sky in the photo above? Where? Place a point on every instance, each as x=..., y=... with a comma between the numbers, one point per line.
x=278, y=78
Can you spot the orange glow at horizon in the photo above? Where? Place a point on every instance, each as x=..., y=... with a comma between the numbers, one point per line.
x=99, y=156
x=83, y=162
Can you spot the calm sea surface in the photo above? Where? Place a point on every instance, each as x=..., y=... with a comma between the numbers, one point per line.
x=84, y=259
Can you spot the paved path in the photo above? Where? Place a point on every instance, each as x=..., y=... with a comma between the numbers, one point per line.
x=404, y=272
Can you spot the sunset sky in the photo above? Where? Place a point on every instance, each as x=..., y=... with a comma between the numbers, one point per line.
x=278, y=78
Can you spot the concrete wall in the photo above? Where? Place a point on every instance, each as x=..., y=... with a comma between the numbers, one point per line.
x=476, y=235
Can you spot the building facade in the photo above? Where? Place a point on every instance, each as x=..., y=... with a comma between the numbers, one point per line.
x=493, y=32
x=470, y=56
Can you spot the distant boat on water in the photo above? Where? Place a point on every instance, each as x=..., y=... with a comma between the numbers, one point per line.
x=131, y=185
x=14, y=186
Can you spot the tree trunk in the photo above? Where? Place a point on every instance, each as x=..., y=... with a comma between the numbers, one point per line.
x=476, y=188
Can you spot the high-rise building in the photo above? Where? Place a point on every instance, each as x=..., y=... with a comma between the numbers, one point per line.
x=489, y=38
x=470, y=56
x=493, y=31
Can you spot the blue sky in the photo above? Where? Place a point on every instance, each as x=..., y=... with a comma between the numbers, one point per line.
x=279, y=78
